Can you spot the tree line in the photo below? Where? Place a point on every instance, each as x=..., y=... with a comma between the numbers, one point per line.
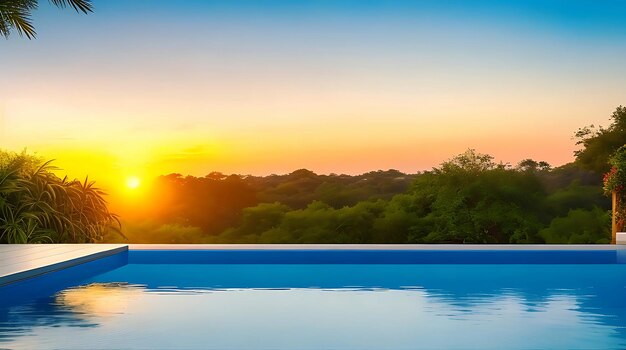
x=469, y=198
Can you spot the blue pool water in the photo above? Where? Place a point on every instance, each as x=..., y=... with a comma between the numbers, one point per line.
x=193, y=300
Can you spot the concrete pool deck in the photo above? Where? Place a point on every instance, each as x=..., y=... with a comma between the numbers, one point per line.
x=22, y=261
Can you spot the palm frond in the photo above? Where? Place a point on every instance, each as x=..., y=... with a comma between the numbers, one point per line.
x=16, y=14
x=84, y=6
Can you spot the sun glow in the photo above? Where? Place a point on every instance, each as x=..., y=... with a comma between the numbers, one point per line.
x=132, y=182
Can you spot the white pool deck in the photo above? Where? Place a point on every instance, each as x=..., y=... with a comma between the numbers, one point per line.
x=22, y=261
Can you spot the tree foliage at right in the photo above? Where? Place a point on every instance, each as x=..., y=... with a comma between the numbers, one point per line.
x=599, y=143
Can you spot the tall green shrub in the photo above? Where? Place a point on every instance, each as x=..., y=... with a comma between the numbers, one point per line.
x=36, y=206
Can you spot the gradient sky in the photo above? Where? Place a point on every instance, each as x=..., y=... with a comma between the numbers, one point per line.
x=151, y=87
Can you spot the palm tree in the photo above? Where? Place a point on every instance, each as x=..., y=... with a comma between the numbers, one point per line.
x=16, y=14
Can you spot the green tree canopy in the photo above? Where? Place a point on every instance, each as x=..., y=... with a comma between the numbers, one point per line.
x=471, y=199
x=580, y=226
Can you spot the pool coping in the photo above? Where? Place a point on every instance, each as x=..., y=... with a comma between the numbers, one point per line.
x=22, y=261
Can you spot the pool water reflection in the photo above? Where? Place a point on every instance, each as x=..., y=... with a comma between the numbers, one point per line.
x=213, y=306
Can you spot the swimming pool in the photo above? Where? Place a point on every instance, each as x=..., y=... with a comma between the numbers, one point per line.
x=337, y=298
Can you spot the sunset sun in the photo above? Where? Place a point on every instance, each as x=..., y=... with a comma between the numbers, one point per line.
x=132, y=182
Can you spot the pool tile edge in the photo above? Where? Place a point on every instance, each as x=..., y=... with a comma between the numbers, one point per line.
x=390, y=247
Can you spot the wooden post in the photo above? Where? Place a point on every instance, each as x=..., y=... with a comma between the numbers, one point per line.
x=613, y=218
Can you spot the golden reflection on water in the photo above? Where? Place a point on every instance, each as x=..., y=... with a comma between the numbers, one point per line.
x=99, y=299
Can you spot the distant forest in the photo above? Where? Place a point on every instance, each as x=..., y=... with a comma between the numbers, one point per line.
x=469, y=198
